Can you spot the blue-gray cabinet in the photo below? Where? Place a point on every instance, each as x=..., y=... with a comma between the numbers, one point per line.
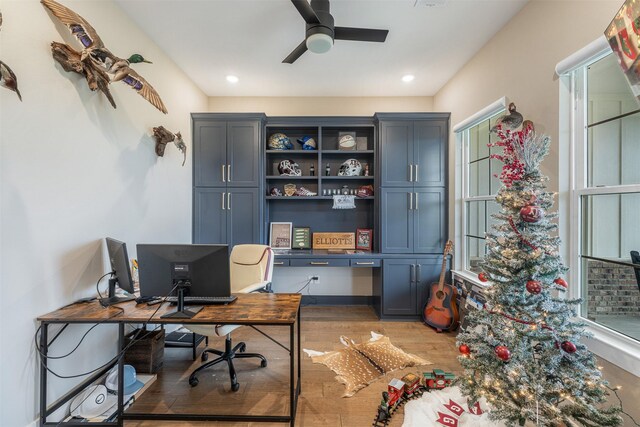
x=413, y=153
x=226, y=152
x=227, y=178
x=413, y=220
x=226, y=215
x=405, y=285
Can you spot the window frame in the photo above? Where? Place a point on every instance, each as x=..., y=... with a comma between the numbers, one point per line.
x=462, y=192
x=616, y=347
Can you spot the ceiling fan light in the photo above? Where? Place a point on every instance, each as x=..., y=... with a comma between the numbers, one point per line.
x=319, y=43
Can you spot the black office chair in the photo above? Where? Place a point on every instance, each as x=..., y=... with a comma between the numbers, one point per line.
x=635, y=258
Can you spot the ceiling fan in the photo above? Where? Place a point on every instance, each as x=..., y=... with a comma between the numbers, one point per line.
x=321, y=31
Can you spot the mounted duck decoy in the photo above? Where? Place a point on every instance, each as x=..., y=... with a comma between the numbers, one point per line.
x=99, y=66
x=8, y=78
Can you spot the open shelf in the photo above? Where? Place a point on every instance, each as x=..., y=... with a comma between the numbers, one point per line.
x=348, y=152
x=349, y=178
x=312, y=198
x=287, y=177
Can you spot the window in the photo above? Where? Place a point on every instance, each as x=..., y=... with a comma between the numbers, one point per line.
x=605, y=195
x=479, y=184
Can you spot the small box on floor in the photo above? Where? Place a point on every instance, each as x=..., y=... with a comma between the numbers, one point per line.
x=146, y=354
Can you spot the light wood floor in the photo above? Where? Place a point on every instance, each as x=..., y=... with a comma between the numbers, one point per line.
x=265, y=390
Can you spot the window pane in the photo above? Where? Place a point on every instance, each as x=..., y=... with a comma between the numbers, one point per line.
x=479, y=178
x=479, y=219
x=475, y=253
x=614, y=152
x=478, y=139
x=610, y=225
x=610, y=296
x=608, y=93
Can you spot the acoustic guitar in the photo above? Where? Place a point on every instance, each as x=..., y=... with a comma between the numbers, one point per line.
x=441, y=310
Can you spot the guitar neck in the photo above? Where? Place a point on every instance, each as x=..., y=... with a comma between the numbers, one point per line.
x=442, y=271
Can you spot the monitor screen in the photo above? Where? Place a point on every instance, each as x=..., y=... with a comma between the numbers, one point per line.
x=205, y=267
x=119, y=260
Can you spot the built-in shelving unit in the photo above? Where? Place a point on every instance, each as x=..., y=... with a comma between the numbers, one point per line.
x=316, y=211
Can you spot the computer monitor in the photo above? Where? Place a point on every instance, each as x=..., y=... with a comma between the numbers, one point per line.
x=183, y=270
x=120, y=272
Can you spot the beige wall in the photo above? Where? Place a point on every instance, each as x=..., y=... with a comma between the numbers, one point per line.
x=519, y=63
x=320, y=106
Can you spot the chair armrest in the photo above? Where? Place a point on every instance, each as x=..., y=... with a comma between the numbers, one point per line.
x=254, y=287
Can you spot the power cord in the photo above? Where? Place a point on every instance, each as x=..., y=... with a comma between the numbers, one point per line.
x=116, y=358
x=307, y=287
x=98, y=283
x=615, y=391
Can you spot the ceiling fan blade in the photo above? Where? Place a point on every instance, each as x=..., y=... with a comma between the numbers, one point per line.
x=360, y=34
x=296, y=53
x=306, y=11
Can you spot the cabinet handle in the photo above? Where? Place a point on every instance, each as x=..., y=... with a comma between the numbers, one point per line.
x=319, y=263
x=365, y=263
x=416, y=200
x=228, y=173
x=410, y=173
x=416, y=173
x=223, y=173
x=413, y=273
x=419, y=274
x=223, y=196
x=278, y=263
x=410, y=201
x=229, y=201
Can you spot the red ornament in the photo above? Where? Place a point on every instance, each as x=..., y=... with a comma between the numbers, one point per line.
x=483, y=277
x=464, y=349
x=561, y=282
x=503, y=353
x=534, y=287
x=568, y=346
x=531, y=214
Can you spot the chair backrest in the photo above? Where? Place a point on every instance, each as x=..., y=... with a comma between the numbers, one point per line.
x=250, y=264
x=635, y=258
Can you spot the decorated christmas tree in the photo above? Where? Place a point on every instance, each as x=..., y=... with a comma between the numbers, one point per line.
x=523, y=351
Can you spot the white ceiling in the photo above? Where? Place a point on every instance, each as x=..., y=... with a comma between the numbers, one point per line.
x=210, y=39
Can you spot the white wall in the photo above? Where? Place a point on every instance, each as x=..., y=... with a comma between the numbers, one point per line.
x=73, y=171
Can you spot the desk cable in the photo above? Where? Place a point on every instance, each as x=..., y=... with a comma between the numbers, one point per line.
x=306, y=286
x=116, y=358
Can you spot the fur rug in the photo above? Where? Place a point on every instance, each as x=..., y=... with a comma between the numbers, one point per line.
x=358, y=365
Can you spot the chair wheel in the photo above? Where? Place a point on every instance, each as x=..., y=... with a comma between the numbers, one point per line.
x=193, y=381
x=263, y=364
x=235, y=387
x=204, y=357
x=242, y=348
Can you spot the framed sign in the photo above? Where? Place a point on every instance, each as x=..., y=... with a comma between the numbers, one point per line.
x=333, y=240
x=301, y=238
x=280, y=235
x=364, y=238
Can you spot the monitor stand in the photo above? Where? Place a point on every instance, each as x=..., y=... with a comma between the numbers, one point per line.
x=113, y=298
x=181, y=312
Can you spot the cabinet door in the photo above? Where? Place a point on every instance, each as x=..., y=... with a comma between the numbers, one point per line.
x=210, y=153
x=429, y=220
x=396, y=220
x=430, y=153
x=398, y=289
x=396, y=153
x=427, y=272
x=243, y=153
x=243, y=215
x=210, y=215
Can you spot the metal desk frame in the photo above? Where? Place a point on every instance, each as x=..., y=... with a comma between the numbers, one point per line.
x=122, y=319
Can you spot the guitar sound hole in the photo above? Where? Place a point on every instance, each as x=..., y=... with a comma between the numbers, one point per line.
x=440, y=294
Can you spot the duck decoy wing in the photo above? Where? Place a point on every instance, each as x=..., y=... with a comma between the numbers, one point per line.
x=9, y=79
x=78, y=26
x=140, y=85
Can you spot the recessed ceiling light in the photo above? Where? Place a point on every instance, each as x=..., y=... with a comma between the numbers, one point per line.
x=232, y=79
x=408, y=78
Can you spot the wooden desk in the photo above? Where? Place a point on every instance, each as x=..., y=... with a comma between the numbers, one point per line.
x=248, y=309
